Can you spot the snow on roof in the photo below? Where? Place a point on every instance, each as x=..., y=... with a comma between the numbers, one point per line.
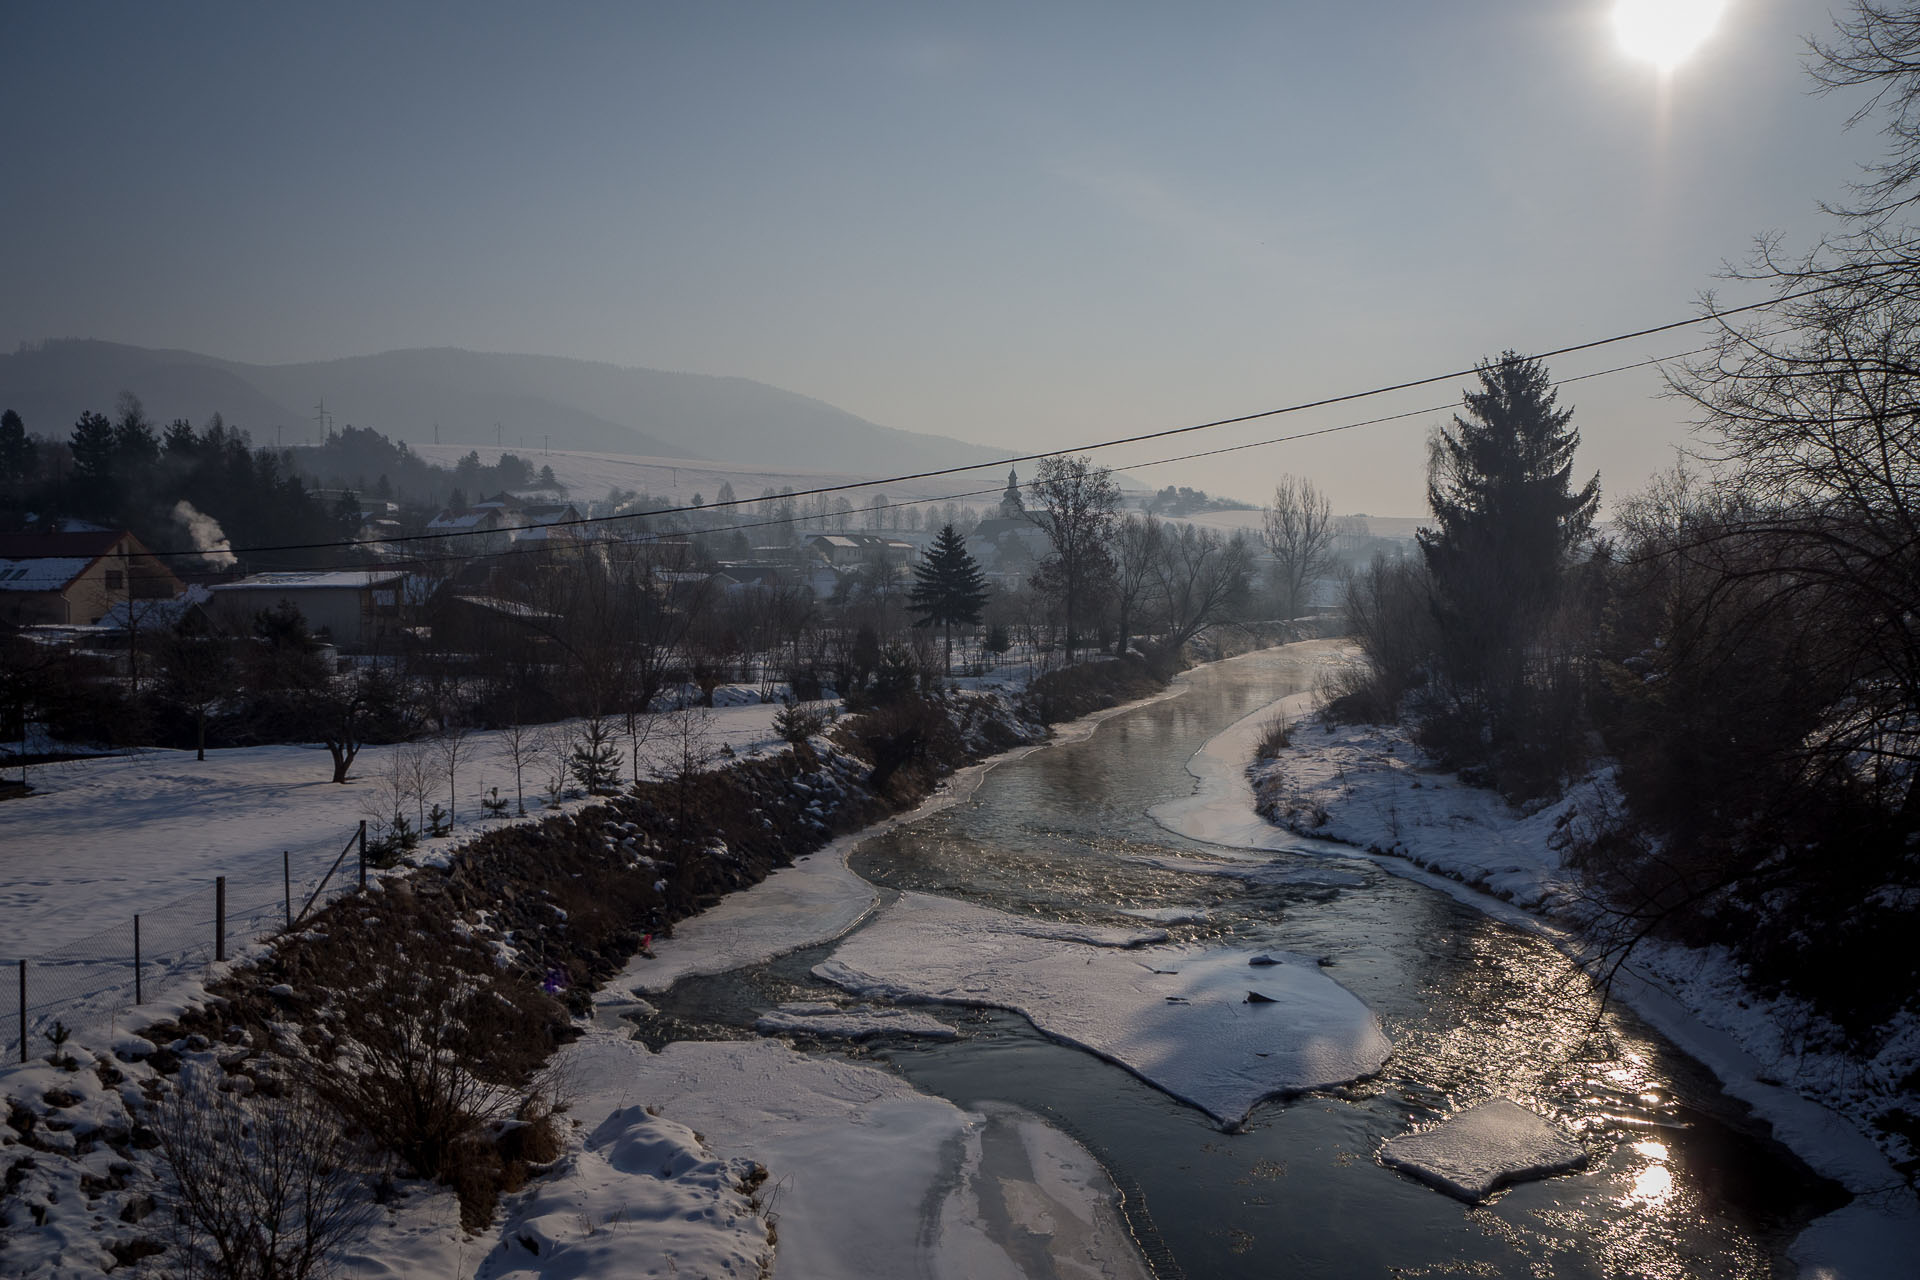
x=542, y=533
x=512, y=608
x=465, y=520
x=156, y=613
x=42, y=575
x=335, y=580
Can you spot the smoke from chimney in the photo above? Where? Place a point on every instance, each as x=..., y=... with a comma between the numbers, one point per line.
x=205, y=534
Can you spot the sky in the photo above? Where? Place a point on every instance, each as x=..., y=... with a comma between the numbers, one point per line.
x=1025, y=225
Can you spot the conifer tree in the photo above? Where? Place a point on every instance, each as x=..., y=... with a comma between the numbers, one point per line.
x=1499, y=481
x=19, y=455
x=948, y=587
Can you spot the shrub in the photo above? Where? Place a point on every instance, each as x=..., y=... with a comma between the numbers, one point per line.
x=259, y=1190
x=796, y=723
x=1274, y=738
x=442, y=1045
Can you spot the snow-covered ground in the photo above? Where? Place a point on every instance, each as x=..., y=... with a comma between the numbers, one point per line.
x=1371, y=788
x=103, y=839
x=866, y=1176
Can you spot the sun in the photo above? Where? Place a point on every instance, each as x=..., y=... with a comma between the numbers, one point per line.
x=1664, y=32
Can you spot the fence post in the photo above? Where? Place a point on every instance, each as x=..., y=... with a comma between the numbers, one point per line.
x=23, y=1011
x=220, y=918
x=363, y=854
x=286, y=875
x=139, y=996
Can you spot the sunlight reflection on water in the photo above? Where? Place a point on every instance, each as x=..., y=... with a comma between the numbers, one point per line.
x=1475, y=1010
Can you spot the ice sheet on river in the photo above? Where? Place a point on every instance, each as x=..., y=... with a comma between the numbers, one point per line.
x=1179, y=1017
x=852, y=1023
x=1485, y=1148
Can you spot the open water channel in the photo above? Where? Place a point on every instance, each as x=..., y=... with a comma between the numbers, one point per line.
x=1680, y=1182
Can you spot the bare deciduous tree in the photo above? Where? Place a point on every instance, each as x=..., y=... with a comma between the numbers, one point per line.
x=1138, y=550
x=520, y=744
x=1074, y=504
x=1202, y=578
x=448, y=750
x=1298, y=529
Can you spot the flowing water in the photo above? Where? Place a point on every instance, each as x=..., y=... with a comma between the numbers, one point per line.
x=1680, y=1183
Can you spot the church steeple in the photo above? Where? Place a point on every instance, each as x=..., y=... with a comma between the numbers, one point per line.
x=1011, y=507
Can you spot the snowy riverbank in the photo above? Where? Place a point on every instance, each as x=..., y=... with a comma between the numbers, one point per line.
x=1372, y=789
x=731, y=1137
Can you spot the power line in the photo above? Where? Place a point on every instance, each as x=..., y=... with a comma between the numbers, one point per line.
x=1140, y=438
x=663, y=535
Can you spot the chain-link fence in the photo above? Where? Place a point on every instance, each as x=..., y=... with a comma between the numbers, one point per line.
x=92, y=982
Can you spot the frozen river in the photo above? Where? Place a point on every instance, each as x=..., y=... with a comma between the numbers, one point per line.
x=1088, y=966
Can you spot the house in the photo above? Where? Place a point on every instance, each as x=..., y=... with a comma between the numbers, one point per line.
x=357, y=608
x=851, y=550
x=483, y=523
x=75, y=578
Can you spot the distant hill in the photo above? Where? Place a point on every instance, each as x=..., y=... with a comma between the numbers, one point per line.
x=535, y=400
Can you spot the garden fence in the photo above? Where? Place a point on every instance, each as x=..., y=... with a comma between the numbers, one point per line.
x=101, y=981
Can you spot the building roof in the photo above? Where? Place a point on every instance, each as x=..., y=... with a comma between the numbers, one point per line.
x=50, y=561
x=42, y=575
x=338, y=579
x=510, y=608
x=470, y=519
x=156, y=613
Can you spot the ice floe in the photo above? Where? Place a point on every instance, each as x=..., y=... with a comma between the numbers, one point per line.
x=1176, y=1016
x=857, y=1022
x=1483, y=1149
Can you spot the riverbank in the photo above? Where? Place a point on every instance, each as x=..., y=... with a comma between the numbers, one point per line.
x=1370, y=788
x=543, y=914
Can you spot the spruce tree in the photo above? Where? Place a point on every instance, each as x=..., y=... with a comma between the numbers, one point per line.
x=1507, y=517
x=19, y=455
x=948, y=587
x=595, y=761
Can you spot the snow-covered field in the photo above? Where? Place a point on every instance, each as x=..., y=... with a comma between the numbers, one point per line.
x=103, y=839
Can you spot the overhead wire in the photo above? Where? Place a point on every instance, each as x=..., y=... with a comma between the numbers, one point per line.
x=653, y=536
x=1015, y=460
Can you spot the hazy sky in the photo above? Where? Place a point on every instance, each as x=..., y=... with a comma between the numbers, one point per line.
x=1022, y=224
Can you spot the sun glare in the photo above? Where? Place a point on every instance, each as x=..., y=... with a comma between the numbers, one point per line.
x=1664, y=32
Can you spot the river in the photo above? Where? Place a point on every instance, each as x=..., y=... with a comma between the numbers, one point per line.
x=1680, y=1181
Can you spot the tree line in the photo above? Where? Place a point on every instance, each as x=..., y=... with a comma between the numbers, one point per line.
x=163, y=482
